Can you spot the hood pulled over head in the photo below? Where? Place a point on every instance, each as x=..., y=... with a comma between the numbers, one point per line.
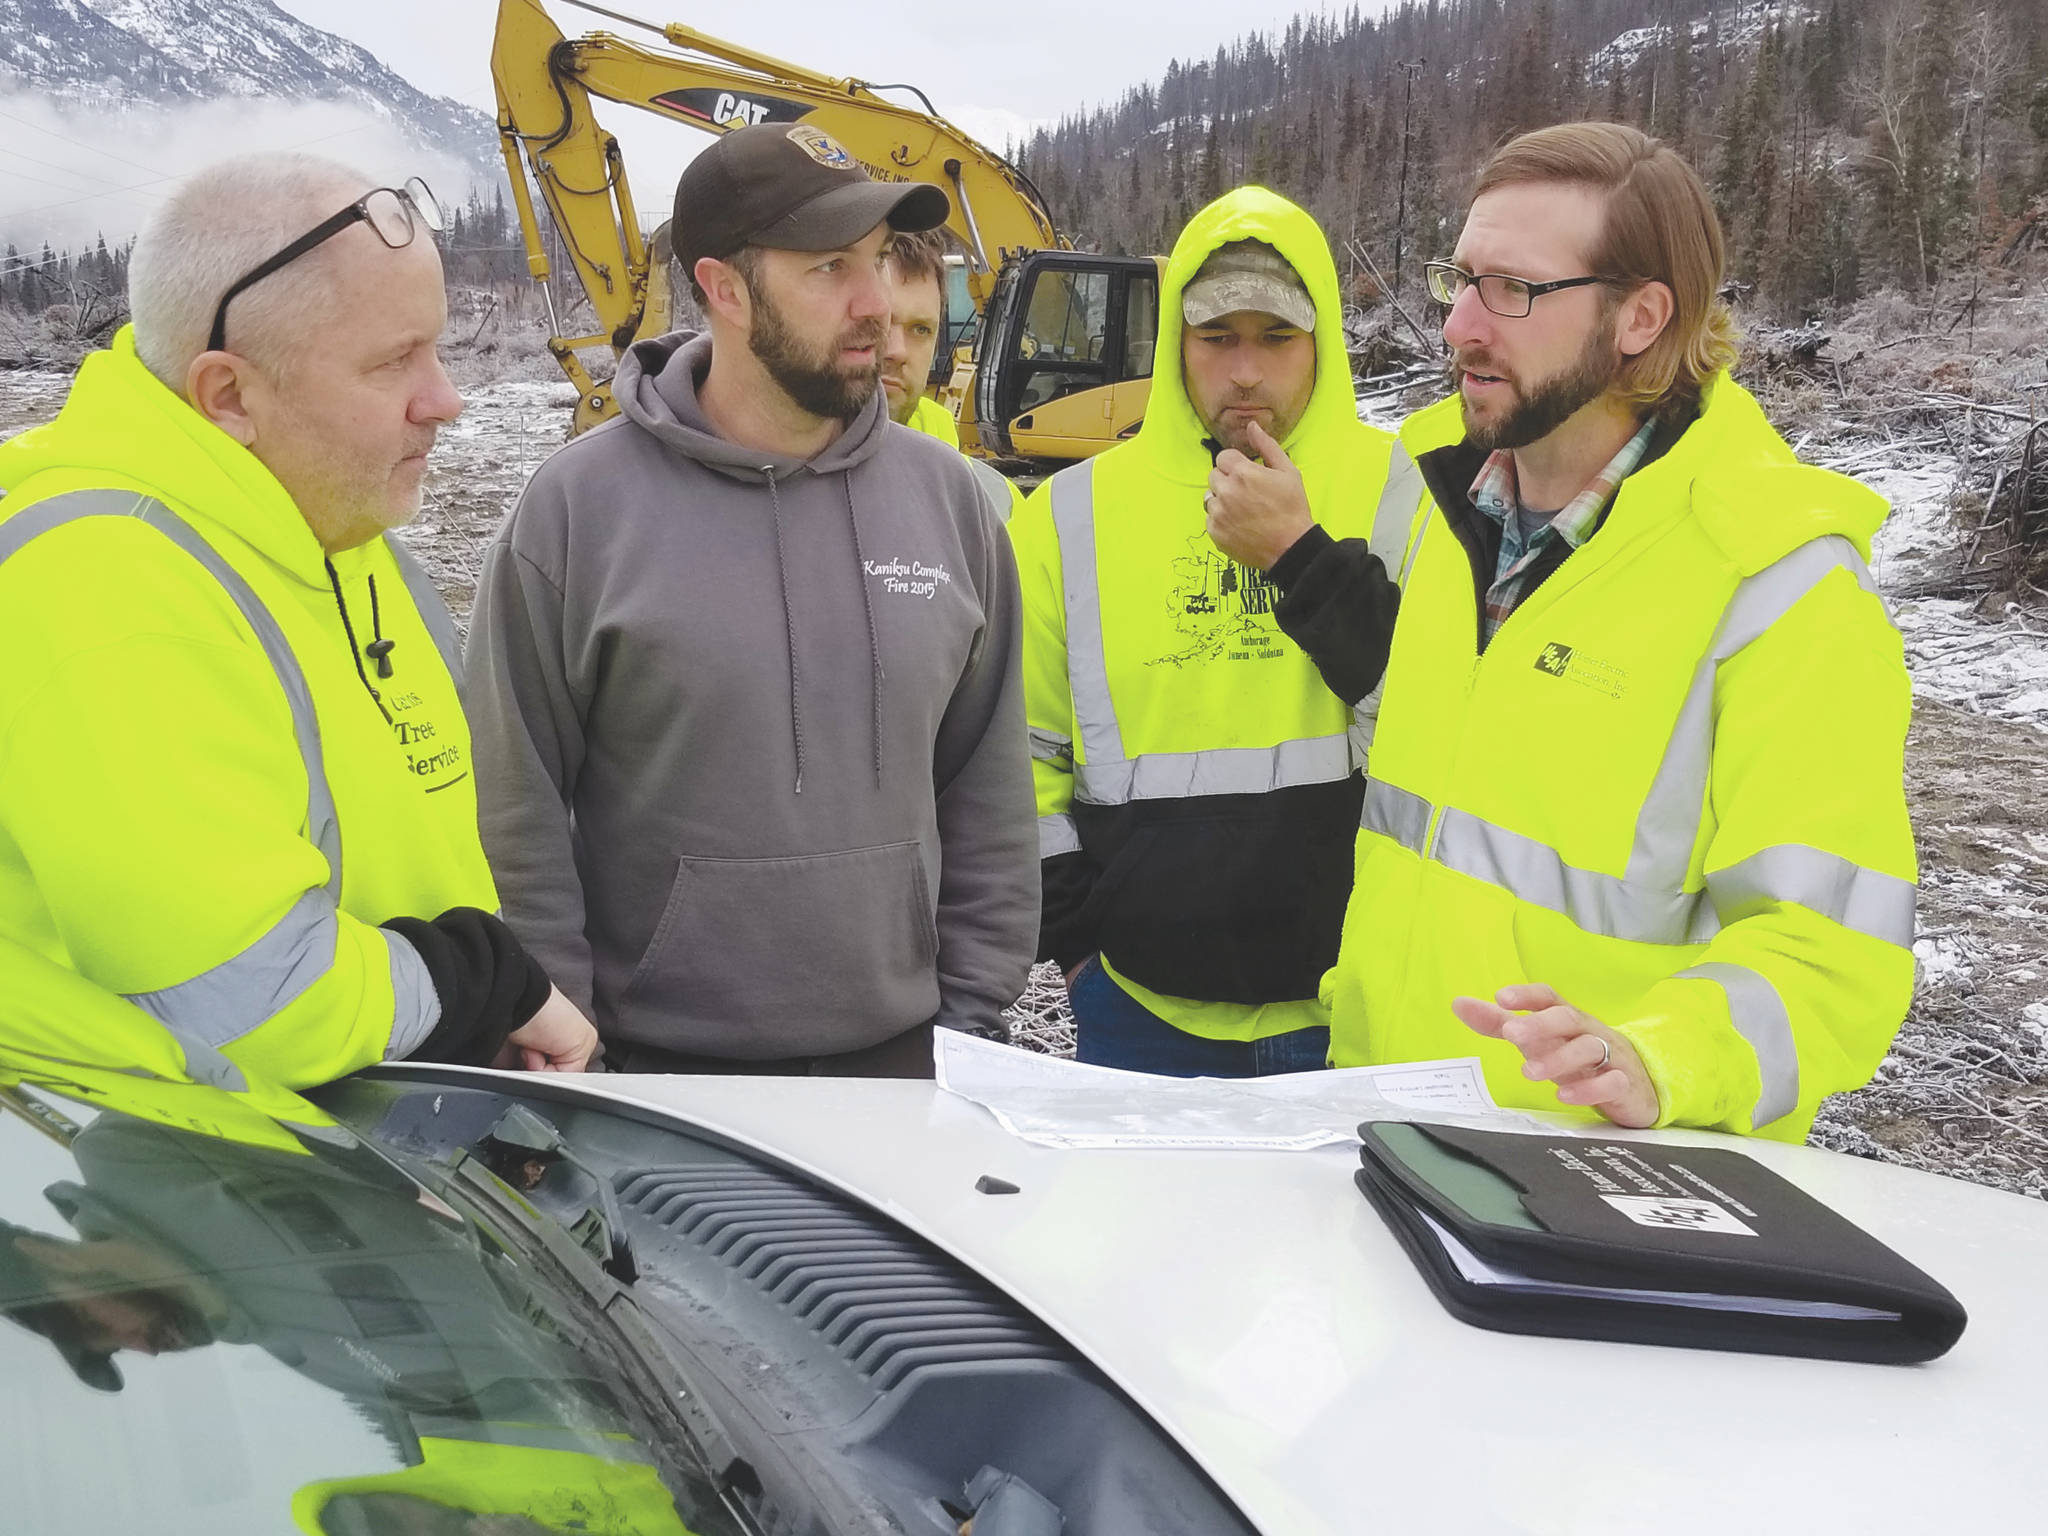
x=1173, y=433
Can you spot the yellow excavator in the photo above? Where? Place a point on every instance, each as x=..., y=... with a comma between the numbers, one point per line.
x=1050, y=349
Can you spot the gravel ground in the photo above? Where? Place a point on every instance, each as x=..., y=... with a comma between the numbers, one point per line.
x=1965, y=1089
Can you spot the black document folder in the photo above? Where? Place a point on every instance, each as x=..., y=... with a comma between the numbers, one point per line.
x=1641, y=1243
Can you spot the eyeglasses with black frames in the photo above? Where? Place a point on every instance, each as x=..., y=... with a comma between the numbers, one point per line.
x=1509, y=297
x=394, y=214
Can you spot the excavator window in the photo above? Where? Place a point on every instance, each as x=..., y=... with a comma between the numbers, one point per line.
x=1060, y=344
x=1141, y=326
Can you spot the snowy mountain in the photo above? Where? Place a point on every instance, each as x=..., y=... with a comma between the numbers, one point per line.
x=100, y=54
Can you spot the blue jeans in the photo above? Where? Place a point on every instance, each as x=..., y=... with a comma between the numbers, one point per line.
x=1113, y=1029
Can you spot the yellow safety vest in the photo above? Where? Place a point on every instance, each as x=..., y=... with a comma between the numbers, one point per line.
x=1671, y=788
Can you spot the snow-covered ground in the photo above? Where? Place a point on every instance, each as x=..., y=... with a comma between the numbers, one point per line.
x=1994, y=665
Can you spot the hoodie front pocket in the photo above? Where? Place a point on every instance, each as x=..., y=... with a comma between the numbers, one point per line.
x=789, y=956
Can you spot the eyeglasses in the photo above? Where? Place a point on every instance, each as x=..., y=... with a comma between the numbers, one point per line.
x=1509, y=297
x=394, y=213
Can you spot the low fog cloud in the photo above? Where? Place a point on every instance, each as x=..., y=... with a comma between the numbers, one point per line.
x=70, y=173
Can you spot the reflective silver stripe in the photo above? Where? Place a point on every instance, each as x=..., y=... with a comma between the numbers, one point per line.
x=1399, y=498
x=427, y=599
x=995, y=490
x=247, y=990
x=1220, y=771
x=415, y=1005
x=1415, y=544
x=1395, y=813
x=1057, y=834
x=323, y=826
x=1670, y=819
x=1866, y=900
x=1595, y=903
x=1759, y=1016
x=1073, y=518
x=204, y=1064
x=1050, y=746
x=1365, y=721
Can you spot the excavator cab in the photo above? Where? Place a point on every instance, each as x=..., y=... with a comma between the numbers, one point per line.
x=1063, y=357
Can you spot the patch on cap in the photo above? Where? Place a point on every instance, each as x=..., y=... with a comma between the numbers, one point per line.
x=821, y=147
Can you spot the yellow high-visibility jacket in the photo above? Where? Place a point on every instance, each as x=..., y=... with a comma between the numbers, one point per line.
x=1197, y=778
x=541, y=1487
x=202, y=807
x=1672, y=787
x=934, y=420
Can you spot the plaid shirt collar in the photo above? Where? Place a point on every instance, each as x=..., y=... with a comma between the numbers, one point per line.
x=1497, y=493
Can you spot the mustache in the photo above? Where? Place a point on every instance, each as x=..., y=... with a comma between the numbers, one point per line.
x=1459, y=364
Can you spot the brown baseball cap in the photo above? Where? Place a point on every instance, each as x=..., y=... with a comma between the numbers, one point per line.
x=790, y=187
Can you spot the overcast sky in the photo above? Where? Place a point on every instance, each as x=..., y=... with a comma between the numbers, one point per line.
x=69, y=175
x=994, y=69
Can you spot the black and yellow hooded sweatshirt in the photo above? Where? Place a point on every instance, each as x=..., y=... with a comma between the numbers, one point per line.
x=1196, y=755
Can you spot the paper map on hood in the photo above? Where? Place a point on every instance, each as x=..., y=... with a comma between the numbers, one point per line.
x=1058, y=1103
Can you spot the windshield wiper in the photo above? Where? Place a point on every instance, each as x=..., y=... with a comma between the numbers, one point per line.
x=522, y=1146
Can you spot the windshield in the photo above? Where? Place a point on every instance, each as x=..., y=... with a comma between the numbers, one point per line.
x=207, y=1335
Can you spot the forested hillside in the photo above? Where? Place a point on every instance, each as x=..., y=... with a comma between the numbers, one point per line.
x=1848, y=145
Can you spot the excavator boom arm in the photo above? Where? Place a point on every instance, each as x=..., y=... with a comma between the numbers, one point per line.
x=545, y=83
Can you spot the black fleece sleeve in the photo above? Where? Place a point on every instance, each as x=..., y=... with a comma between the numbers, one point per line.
x=487, y=983
x=1338, y=604
x=1065, y=881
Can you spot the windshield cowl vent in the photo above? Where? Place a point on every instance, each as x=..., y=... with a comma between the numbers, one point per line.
x=888, y=1303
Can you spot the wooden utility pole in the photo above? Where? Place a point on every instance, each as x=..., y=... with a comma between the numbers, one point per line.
x=1401, y=198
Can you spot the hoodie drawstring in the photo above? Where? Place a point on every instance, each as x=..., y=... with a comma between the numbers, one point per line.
x=796, y=713
x=867, y=598
x=379, y=649
x=875, y=672
x=355, y=654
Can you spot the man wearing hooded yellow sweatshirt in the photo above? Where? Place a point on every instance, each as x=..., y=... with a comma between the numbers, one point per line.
x=1636, y=813
x=234, y=775
x=1196, y=745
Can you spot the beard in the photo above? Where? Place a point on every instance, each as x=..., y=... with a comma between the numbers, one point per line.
x=811, y=375
x=1550, y=404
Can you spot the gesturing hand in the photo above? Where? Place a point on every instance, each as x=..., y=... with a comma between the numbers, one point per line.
x=1256, y=510
x=1590, y=1063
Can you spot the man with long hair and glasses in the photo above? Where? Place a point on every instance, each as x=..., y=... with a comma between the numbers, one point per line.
x=235, y=780
x=1635, y=827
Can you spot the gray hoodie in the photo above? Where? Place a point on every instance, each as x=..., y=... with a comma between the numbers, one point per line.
x=750, y=746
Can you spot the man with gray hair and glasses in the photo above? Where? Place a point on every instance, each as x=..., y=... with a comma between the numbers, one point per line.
x=235, y=782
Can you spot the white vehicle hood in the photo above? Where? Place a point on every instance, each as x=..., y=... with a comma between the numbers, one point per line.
x=1256, y=1306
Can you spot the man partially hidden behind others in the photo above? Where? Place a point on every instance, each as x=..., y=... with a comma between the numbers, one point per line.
x=917, y=325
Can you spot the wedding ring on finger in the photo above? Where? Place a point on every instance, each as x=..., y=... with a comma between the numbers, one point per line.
x=1606, y=1055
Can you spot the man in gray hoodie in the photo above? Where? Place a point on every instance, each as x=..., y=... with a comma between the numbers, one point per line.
x=744, y=668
